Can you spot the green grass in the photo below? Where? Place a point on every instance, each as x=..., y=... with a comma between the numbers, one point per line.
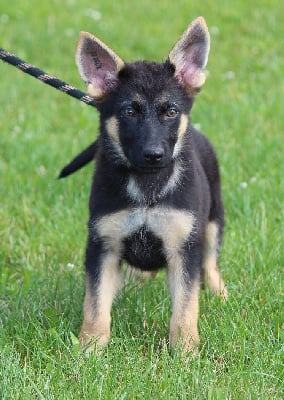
x=43, y=221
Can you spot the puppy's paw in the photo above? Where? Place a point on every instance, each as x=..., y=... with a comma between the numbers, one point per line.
x=91, y=339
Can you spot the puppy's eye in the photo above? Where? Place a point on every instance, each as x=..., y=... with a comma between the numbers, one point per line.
x=129, y=111
x=171, y=112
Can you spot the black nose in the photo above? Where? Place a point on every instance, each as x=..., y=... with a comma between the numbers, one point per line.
x=153, y=156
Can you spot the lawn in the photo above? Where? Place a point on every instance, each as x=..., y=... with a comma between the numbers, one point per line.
x=43, y=220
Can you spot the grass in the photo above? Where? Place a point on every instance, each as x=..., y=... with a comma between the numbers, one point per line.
x=43, y=221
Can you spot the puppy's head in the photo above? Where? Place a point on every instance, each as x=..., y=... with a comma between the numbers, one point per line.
x=144, y=106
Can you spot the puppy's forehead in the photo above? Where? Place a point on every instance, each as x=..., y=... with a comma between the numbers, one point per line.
x=145, y=79
x=156, y=98
x=151, y=83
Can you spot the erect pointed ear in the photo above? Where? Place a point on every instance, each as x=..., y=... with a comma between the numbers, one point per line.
x=98, y=65
x=189, y=56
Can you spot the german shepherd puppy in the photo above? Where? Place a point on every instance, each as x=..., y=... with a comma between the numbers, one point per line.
x=155, y=199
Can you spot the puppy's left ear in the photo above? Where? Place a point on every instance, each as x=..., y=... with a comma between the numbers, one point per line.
x=190, y=54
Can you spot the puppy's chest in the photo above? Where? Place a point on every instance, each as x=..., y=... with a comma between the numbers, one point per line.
x=144, y=230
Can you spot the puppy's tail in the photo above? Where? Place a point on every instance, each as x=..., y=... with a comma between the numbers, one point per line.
x=80, y=160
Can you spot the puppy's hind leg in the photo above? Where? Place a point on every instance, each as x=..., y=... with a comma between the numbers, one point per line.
x=211, y=273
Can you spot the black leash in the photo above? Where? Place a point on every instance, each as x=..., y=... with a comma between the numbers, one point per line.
x=46, y=78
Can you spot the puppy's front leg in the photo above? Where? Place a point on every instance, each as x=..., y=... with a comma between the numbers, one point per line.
x=184, y=282
x=102, y=283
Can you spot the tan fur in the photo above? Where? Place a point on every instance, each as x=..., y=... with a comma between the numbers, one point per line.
x=116, y=226
x=170, y=225
x=212, y=275
x=185, y=305
x=97, y=319
x=112, y=129
x=94, y=91
x=113, y=132
x=180, y=134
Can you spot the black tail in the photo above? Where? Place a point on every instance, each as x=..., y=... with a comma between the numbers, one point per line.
x=80, y=161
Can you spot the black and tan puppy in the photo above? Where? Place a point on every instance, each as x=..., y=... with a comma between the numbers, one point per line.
x=155, y=199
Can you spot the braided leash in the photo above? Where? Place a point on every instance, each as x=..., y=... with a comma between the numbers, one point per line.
x=46, y=78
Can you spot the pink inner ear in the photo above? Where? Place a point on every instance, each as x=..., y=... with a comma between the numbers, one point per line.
x=97, y=66
x=188, y=76
x=189, y=71
x=196, y=54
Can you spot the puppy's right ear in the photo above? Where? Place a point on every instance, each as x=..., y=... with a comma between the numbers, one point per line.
x=98, y=65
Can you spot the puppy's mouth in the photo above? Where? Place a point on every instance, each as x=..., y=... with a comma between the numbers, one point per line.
x=149, y=169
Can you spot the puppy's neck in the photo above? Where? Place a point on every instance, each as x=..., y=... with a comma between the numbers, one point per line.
x=150, y=189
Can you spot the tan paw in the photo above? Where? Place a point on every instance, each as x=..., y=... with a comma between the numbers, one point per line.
x=90, y=339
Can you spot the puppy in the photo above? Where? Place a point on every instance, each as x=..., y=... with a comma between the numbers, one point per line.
x=155, y=199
